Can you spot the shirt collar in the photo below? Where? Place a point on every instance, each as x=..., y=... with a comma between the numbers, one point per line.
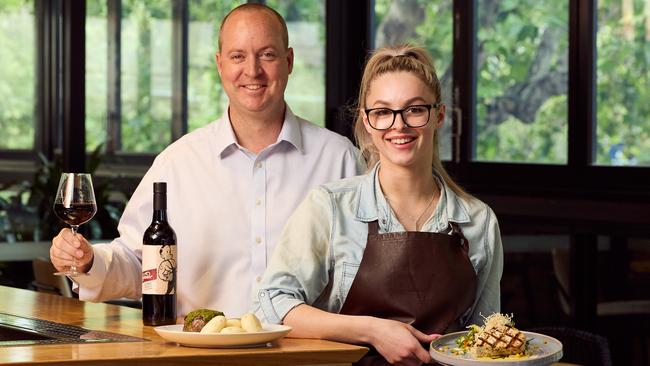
x=291, y=129
x=372, y=204
x=225, y=136
x=367, y=191
x=456, y=207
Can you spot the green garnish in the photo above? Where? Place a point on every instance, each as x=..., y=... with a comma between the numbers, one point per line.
x=465, y=341
x=528, y=343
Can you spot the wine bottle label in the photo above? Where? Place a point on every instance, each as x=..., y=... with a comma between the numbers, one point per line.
x=159, y=269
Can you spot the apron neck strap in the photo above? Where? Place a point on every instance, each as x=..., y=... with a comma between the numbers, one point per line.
x=373, y=227
x=455, y=230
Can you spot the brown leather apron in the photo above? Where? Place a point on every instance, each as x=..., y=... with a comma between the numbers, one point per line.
x=420, y=278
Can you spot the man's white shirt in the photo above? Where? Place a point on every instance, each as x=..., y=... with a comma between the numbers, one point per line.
x=227, y=206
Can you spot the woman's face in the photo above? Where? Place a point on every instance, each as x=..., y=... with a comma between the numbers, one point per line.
x=401, y=145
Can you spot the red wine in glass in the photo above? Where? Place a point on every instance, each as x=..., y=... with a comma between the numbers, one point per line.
x=76, y=214
x=74, y=204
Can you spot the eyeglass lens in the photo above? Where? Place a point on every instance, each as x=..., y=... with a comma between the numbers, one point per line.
x=414, y=116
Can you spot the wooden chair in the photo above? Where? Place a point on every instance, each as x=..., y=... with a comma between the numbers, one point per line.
x=579, y=346
x=46, y=281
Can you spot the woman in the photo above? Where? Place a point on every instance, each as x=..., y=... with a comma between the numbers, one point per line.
x=399, y=254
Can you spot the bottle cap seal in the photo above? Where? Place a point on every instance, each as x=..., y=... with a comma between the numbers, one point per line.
x=160, y=187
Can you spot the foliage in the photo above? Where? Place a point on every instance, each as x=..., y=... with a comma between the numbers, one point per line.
x=299, y=10
x=623, y=82
x=17, y=92
x=146, y=69
x=510, y=41
x=522, y=41
x=206, y=98
x=305, y=92
x=28, y=213
x=510, y=46
x=9, y=6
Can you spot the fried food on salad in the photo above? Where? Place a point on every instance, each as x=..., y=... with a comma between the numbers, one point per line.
x=195, y=320
x=212, y=321
x=497, y=338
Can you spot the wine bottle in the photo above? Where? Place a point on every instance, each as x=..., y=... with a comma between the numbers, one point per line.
x=159, y=264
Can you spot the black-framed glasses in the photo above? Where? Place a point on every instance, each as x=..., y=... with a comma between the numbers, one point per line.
x=413, y=116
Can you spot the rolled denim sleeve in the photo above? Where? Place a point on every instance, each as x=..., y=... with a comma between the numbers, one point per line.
x=299, y=268
x=489, y=278
x=273, y=306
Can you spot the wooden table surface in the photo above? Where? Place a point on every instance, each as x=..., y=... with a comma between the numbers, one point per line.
x=127, y=321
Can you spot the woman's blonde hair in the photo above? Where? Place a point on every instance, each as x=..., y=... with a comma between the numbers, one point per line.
x=399, y=58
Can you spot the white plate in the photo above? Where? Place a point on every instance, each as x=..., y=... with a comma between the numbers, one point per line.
x=542, y=350
x=174, y=333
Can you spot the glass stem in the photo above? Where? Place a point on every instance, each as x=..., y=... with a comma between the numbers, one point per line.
x=73, y=267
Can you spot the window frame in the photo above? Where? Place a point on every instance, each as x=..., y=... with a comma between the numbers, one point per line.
x=348, y=25
x=580, y=177
x=178, y=127
x=579, y=198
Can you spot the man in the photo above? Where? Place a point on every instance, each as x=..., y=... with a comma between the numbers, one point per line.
x=231, y=185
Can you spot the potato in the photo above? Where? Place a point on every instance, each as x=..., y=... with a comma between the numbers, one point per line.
x=233, y=322
x=250, y=323
x=232, y=330
x=215, y=325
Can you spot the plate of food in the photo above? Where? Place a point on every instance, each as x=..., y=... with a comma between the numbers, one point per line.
x=497, y=343
x=211, y=329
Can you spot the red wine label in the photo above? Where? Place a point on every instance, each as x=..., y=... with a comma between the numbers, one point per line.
x=159, y=269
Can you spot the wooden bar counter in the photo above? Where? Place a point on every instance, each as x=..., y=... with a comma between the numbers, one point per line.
x=155, y=351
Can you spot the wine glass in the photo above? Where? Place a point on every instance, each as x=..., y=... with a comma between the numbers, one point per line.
x=74, y=204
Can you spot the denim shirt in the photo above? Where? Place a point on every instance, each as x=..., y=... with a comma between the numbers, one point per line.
x=320, y=248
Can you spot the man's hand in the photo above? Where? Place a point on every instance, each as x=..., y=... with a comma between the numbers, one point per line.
x=65, y=246
x=399, y=343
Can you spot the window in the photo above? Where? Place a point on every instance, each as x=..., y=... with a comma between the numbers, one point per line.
x=522, y=81
x=305, y=92
x=17, y=84
x=146, y=75
x=96, y=73
x=427, y=24
x=506, y=61
x=132, y=98
x=623, y=83
x=206, y=98
x=142, y=82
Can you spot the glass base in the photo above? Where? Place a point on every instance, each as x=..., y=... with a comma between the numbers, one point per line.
x=70, y=273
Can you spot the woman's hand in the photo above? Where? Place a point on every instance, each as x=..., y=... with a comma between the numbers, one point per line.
x=399, y=343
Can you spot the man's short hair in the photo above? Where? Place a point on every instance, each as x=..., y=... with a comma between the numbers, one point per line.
x=258, y=7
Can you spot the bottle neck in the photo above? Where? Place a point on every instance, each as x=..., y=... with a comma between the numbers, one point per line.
x=160, y=215
x=159, y=207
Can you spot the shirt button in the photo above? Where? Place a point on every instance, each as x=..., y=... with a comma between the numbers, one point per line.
x=258, y=278
x=258, y=202
x=258, y=240
x=259, y=165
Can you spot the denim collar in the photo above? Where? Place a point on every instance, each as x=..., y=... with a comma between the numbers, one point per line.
x=372, y=205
